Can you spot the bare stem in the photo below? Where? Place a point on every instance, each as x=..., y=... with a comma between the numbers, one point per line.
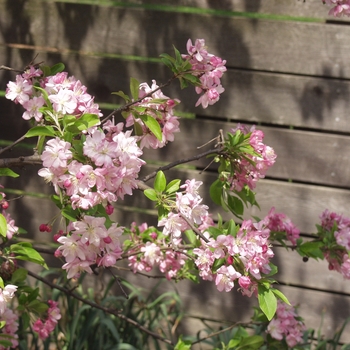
x=100, y=307
x=2, y=150
x=182, y=161
x=20, y=161
x=126, y=106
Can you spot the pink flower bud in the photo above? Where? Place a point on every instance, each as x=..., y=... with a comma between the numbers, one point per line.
x=107, y=240
x=153, y=235
x=109, y=209
x=5, y=205
x=42, y=228
x=57, y=253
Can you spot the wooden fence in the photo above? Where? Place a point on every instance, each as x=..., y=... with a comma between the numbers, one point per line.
x=288, y=72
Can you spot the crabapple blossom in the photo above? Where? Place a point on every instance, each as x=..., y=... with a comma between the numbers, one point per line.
x=341, y=7
x=209, y=69
x=45, y=328
x=9, y=331
x=249, y=172
x=225, y=277
x=159, y=107
x=19, y=91
x=286, y=324
x=337, y=256
x=6, y=295
x=56, y=154
x=279, y=222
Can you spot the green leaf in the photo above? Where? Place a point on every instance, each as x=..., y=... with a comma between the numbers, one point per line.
x=215, y=191
x=24, y=251
x=235, y=205
x=191, y=78
x=19, y=275
x=168, y=61
x=7, y=172
x=153, y=125
x=3, y=226
x=251, y=343
x=89, y=119
x=45, y=96
x=172, y=186
x=192, y=237
x=311, y=249
x=41, y=131
x=57, y=68
x=280, y=295
x=25, y=320
x=70, y=214
x=179, y=60
x=151, y=194
x=183, y=344
x=134, y=88
x=267, y=301
x=122, y=95
x=160, y=182
x=37, y=306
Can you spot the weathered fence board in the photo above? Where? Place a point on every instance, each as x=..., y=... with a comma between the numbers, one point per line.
x=288, y=67
x=244, y=42
x=306, y=102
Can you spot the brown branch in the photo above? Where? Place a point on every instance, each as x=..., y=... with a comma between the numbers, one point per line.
x=2, y=150
x=182, y=161
x=20, y=161
x=223, y=331
x=100, y=307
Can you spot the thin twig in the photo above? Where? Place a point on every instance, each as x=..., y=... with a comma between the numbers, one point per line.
x=119, y=282
x=126, y=106
x=2, y=150
x=181, y=161
x=100, y=307
x=195, y=230
x=221, y=331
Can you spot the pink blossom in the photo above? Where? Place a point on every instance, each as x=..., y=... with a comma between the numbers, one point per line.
x=225, y=277
x=20, y=91
x=6, y=295
x=10, y=329
x=286, y=323
x=56, y=153
x=32, y=108
x=341, y=7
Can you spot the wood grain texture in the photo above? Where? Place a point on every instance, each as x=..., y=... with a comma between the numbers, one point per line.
x=244, y=43
x=297, y=8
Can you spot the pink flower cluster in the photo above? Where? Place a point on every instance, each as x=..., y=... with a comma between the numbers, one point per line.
x=66, y=94
x=159, y=107
x=341, y=7
x=153, y=251
x=110, y=170
x=89, y=243
x=45, y=328
x=286, y=324
x=188, y=212
x=279, y=222
x=246, y=256
x=12, y=229
x=209, y=69
x=338, y=258
x=8, y=332
x=248, y=173
x=6, y=295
